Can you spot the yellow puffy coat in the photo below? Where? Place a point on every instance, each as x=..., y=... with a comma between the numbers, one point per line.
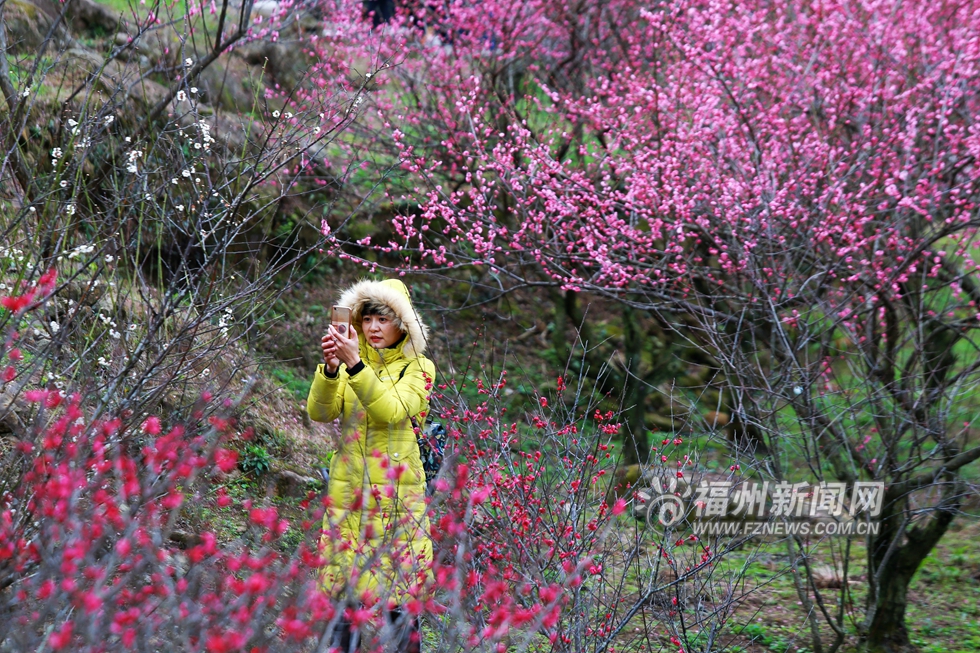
x=376, y=532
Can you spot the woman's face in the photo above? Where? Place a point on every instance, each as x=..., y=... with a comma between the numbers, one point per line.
x=380, y=331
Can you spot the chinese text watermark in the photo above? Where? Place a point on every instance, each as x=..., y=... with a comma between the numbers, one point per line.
x=770, y=508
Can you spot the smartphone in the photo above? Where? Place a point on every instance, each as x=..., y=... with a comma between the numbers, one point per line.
x=340, y=319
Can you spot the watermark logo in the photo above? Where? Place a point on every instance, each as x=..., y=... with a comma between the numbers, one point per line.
x=762, y=507
x=667, y=506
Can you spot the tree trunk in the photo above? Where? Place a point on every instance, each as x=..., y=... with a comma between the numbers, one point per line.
x=885, y=630
x=636, y=443
x=635, y=387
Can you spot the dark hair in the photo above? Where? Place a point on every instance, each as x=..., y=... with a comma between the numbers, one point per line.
x=373, y=307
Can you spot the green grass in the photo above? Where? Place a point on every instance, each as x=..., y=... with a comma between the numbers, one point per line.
x=944, y=597
x=944, y=601
x=297, y=385
x=125, y=7
x=164, y=10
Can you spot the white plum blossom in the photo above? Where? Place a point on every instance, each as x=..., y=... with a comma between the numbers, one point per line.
x=226, y=319
x=205, y=134
x=81, y=250
x=181, y=96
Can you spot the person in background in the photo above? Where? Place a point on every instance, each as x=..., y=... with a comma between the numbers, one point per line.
x=377, y=380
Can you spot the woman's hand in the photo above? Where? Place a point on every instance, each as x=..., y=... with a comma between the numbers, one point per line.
x=329, y=347
x=345, y=349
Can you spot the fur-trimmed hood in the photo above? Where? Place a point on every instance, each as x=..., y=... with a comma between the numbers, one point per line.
x=393, y=294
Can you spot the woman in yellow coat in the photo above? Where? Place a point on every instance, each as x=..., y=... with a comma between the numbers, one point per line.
x=377, y=381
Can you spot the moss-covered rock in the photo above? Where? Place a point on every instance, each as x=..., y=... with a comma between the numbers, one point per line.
x=231, y=84
x=27, y=25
